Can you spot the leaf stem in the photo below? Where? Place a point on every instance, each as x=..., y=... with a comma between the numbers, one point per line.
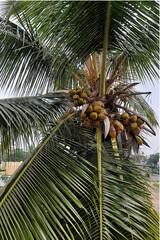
x=95, y=65
x=105, y=46
x=99, y=155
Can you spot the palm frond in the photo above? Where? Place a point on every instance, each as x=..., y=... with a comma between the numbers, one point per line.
x=25, y=118
x=139, y=104
x=22, y=62
x=71, y=31
x=50, y=195
x=41, y=199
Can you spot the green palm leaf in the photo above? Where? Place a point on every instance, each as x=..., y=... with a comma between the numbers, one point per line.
x=49, y=197
x=40, y=198
x=26, y=118
x=70, y=31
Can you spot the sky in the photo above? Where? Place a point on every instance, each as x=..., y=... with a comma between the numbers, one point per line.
x=154, y=100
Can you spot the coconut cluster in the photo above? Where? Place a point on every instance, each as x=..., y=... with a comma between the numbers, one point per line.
x=78, y=96
x=133, y=125
x=94, y=115
x=101, y=113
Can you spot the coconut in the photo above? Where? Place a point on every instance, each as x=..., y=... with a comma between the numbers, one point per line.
x=119, y=132
x=89, y=109
x=78, y=91
x=112, y=131
x=96, y=124
x=133, y=119
x=75, y=103
x=83, y=95
x=80, y=101
x=126, y=121
x=103, y=111
x=75, y=97
x=125, y=116
x=140, y=126
x=120, y=128
x=125, y=99
x=83, y=115
x=136, y=131
x=133, y=125
x=72, y=92
x=97, y=108
x=79, y=88
x=87, y=122
x=140, y=141
x=101, y=116
x=116, y=123
x=98, y=103
x=93, y=115
x=140, y=121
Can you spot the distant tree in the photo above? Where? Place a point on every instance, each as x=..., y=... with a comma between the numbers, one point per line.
x=153, y=159
x=16, y=155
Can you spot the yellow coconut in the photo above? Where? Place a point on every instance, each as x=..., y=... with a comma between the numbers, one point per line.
x=96, y=124
x=126, y=121
x=72, y=92
x=133, y=125
x=140, y=121
x=120, y=127
x=80, y=101
x=140, y=141
x=112, y=131
x=79, y=88
x=125, y=99
x=116, y=123
x=140, y=126
x=98, y=103
x=119, y=132
x=125, y=116
x=93, y=116
x=83, y=95
x=103, y=111
x=136, y=131
x=83, y=115
x=87, y=122
x=75, y=97
x=97, y=108
x=78, y=91
x=89, y=109
x=101, y=116
x=133, y=119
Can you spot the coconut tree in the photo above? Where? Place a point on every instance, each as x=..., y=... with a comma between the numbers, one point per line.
x=74, y=66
